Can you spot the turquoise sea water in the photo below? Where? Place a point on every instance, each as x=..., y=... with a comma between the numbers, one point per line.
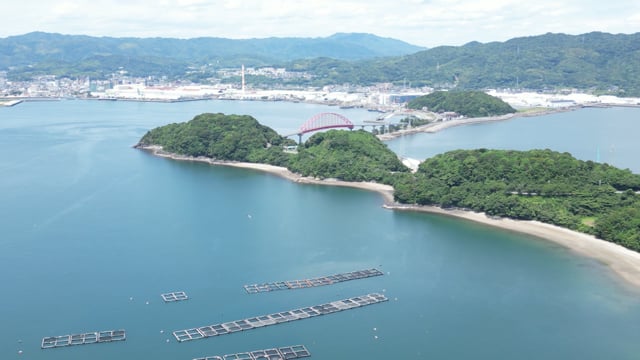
x=92, y=230
x=597, y=134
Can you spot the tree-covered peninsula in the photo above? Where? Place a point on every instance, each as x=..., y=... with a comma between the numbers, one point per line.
x=222, y=137
x=466, y=103
x=541, y=185
x=343, y=155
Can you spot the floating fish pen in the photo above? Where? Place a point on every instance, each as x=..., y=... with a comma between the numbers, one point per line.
x=277, y=318
x=306, y=283
x=287, y=352
x=82, y=339
x=174, y=296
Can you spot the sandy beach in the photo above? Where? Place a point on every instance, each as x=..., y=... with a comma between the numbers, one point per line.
x=385, y=190
x=624, y=262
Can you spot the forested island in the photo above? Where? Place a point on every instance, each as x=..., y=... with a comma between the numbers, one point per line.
x=543, y=185
x=223, y=137
x=466, y=103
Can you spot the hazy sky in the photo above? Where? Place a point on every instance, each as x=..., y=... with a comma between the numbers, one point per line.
x=421, y=22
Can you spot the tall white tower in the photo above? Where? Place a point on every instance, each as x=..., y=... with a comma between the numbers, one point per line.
x=242, y=78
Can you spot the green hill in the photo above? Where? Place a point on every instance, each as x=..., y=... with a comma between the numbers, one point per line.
x=467, y=103
x=346, y=155
x=594, y=61
x=221, y=137
x=542, y=185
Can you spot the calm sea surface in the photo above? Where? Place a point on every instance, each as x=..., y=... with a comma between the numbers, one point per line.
x=93, y=231
x=605, y=135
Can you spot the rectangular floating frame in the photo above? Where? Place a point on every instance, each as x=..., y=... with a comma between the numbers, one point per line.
x=306, y=283
x=174, y=296
x=286, y=352
x=83, y=339
x=277, y=318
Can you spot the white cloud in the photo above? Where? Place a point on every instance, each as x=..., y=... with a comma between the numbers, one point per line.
x=422, y=22
x=65, y=8
x=634, y=19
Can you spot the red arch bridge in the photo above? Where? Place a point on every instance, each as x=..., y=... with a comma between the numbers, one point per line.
x=322, y=121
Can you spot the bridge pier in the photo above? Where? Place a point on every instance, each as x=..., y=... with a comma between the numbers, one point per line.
x=299, y=139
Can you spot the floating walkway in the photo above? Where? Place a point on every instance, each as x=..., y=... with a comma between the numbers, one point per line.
x=287, y=352
x=277, y=318
x=82, y=339
x=321, y=281
x=174, y=296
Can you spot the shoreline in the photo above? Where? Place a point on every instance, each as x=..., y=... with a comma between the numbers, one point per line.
x=385, y=190
x=442, y=125
x=621, y=261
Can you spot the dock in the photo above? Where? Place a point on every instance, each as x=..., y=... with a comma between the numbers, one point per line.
x=9, y=103
x=83, y=339
x=277, y=318
x=174, y=296
x=307, y=283
x=287, y=352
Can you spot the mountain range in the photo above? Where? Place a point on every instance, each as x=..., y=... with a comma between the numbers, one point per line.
x=600, y=62
x=39, y=47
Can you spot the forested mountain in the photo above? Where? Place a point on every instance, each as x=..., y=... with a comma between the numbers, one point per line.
x=598, y=61
x=47, y=50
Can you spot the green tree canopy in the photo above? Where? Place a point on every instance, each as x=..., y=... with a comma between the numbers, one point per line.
x=220, y=136
x=467, y=103
x=346, y=155
x=542, y=185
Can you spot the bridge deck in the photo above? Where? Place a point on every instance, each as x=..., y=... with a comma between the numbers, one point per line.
x=82, y=339
x=286, y=352
x=306, y=283
x=277, y=318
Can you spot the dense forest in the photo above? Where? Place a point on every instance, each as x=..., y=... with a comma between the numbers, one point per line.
x=346, y=155
x=40, y=53
x=542, y=185
x=595, y=61
x=467, y=103
x=222, y=137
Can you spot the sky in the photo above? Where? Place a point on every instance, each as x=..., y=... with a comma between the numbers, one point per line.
x=427, y=23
